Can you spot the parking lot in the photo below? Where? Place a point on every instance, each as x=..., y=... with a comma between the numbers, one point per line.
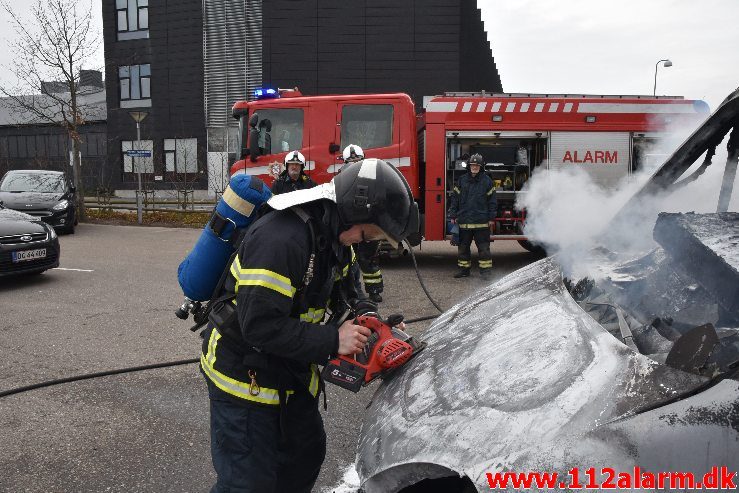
x=111, y=305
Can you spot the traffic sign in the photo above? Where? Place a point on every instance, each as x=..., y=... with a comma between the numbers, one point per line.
x=138, y=153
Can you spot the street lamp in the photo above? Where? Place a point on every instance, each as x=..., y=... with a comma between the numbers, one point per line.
x=138, y=117
x=667, y=64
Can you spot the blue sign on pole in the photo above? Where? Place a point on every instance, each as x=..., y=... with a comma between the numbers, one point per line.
x=138, y=153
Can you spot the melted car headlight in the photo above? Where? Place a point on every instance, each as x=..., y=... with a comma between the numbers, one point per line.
x=61, y=205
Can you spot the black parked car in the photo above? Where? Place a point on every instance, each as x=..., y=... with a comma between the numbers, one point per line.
x=44, y=194
x=27, y=244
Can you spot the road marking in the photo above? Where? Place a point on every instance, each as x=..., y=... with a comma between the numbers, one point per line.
x=76, y=270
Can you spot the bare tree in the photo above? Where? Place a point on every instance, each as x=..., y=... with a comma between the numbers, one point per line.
x=54, y=46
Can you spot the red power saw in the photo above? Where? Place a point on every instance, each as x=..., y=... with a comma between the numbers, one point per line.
x=387, y=349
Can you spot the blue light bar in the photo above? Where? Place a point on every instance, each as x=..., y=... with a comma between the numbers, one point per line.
x=266, y=93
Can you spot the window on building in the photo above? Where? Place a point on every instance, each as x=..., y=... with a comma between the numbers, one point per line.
x=181, y=155
x=367, y=125
x=135, y=84
x=22, y=150
x=134, y=164
x=54, y=146
x=132, y=18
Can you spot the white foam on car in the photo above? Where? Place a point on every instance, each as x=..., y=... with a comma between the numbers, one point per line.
x=349, y=482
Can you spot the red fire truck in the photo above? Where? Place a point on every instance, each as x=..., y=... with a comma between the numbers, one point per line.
x=517, y=134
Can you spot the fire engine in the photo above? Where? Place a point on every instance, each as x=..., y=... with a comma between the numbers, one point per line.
x=518, y=135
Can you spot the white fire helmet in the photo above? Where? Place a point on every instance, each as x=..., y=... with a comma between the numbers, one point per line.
x=295, y=157
x=352, y=153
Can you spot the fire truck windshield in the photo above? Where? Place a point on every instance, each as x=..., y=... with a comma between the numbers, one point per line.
x=280, y=130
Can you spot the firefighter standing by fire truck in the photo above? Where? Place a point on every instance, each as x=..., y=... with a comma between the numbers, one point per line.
x=368, y=252
x=293, y=177
x=473, y=208
x=265, y=335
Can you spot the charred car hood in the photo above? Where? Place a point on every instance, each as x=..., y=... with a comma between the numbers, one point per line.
x=30, y=200
x=520, y=378
x=15, y=222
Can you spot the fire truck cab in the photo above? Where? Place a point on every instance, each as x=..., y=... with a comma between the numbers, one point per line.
x=518, y=135
x=384, y=125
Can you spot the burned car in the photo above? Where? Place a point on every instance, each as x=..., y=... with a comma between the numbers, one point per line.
x=625, y=376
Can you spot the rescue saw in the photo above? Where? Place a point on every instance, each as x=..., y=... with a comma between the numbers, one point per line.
x=387, y=349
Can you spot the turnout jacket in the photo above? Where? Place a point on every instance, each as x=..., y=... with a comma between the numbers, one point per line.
x=473, y=201
x=284, y=184
x=273, y=346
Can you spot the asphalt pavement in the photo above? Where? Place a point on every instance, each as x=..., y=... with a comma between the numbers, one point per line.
x=111, y=305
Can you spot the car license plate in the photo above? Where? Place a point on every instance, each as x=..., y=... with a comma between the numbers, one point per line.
x=25, y=255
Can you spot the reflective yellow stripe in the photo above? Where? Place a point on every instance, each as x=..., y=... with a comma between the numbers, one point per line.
x=313, y=315
x=463, y=263
x=486, y=263
x=372, y=281
x=212, y=344
x=456, y=190
x=313, y=386
x=490, y=192
x=473, y=226
x=232, y=386
x=261, y=277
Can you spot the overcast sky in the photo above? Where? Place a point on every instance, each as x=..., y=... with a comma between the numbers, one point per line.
x=594, y=46
x=611, y=47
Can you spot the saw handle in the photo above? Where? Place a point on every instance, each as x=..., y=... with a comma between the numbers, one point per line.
x=376, y=324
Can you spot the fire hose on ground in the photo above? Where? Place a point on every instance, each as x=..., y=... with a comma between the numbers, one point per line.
x=153, y=366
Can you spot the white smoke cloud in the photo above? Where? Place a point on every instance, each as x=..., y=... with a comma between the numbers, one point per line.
x=570, y=214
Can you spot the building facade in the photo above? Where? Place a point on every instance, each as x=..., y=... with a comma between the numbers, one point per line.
x=185, y=63
x=154, y=65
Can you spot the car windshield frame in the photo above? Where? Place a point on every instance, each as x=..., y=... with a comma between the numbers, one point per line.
x=33, y=182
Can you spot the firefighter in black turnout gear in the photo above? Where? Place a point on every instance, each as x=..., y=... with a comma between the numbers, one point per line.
x=267, y=335
x=368, y=252
x=473, y=207
x=293, y=177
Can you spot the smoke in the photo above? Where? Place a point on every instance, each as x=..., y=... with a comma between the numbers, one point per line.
x=570, y=214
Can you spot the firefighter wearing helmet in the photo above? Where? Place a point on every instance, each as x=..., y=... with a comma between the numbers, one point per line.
x=293, y=177
x=352, y=154
x=368, y=252
x=473, y=208
x=267, y=334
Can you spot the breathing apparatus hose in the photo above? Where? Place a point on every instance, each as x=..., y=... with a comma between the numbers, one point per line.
x=420, y=280
x=131, y=369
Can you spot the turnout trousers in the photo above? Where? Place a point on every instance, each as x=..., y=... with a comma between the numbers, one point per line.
x=482, y=241
x=251, y=451
x=368, y=255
